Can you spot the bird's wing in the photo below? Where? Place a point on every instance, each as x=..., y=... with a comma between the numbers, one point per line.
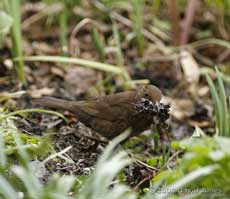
x=109, y=129
x=108, y=108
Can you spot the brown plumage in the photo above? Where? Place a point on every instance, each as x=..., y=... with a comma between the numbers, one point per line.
x=112, y=114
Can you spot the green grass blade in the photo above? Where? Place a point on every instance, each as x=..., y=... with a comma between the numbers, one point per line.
x=13, y=8
x=29, y=180
x=228, y=117
x=224, y=108
x=155, y=6
x=99, y=45
x=185, y=180
x=138, y=11
x=63, y=25
x=119, y=52
x=34, y=110
x=2, y=147
x=77, y=61
x=5, y=25
x=6, y=189
x=204, y=42
x=118, y=45
x=24, y=157
x=217, y=104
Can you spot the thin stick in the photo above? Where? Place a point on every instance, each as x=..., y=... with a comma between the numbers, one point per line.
x=57, y=155
x=189, y=16
x=175, y=20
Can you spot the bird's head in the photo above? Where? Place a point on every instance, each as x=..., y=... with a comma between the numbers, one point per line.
x=149, y=92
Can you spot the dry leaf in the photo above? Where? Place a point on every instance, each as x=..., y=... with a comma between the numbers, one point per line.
x=36, y=93
x=79, y=80
x=190, y=67
x=181, y=108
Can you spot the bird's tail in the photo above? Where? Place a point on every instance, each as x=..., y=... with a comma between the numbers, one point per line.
x=55, y=103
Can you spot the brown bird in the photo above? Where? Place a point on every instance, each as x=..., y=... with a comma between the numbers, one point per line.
x=111, y=115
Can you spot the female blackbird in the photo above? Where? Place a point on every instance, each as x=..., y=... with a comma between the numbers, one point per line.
x=111, y=115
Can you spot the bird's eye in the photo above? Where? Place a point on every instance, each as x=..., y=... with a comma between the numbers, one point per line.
x=146, y=95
